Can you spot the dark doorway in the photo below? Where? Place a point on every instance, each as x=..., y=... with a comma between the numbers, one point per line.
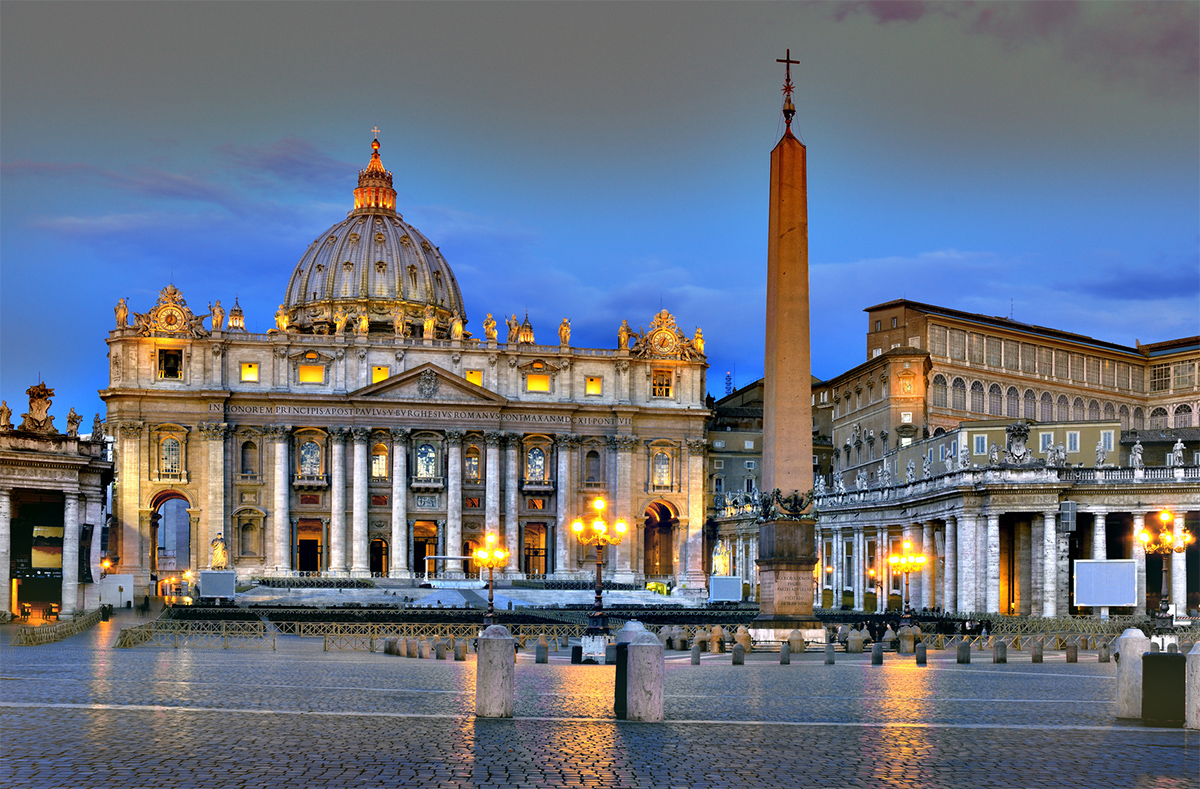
x=379, y=556
x=534, y=549
x=424, y=544
x=308, y=557
x=658, y=540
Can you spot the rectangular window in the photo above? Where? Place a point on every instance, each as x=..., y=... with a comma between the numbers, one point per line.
x=718, y=484
x=749, y=484
x=379, y=500
x=1046, y=440
x=906, y=417
x=1012, y=355
x=1045, y=361
x=310, y=373
x=877, y=326
x=1093, y=371
x=250, y=372
x=1108, y=373
x=894, y=321
x=827, y=554
x=1072, y=441
x=379, y=373
x=750, y=464
x=905, y=441
x=994, y=352
x=1137, y=378
x=958, y=345
x=1028, y=358
x=718, y=464
x=661, y=383
x=170, y=363
x=537, y=383
x=474, y=376
x=876, y=352
x=937, y=340
x=1184, y=374
x=975, y=352
x=748, y=444
x=471, y=502
x=941, y=452
x=594, y=385
x=535, y=504
x=1122, y=376
x=1062, y=365
x=980, y=444
x=1106, y=439
x=1160, y=378
x=1077, y=368
x=379, y=465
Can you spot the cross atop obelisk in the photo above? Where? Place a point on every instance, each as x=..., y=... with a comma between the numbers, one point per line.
x=789, y=109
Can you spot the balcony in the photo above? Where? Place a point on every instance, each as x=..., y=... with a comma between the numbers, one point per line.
x=249, y=479
x=593, y=485
x=537, y=485
x=310, y=481
x=427, y=483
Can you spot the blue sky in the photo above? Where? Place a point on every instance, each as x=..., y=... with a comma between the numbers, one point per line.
x=598, y=160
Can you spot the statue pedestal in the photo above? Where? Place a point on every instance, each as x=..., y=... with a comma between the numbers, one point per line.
x=785, y=572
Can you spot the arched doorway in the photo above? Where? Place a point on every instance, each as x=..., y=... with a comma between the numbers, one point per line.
x=379, y=557
x=659, y=540
x=170, y=535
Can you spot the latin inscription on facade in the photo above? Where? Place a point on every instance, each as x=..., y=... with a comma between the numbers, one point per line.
x=416, y=413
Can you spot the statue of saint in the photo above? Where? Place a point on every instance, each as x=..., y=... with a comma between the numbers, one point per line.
x=97, y=428
x=514, y=329
x=398, y=322
x=73, y=420
x=623, y=335
x=1177, y=452
x=994, y=454
x=339, y=320
x=429, y=324
x=281, y=319
x=564, y=332
x=218, y=316
x=220, y=554
x=122, y=312
x=910, y=472
x=456, y=326
x=1135, y=454
x=363, y=324
x=698, y=341
x=927, y=467
x=5, y=416
x=489, y=328
x=1101, y=453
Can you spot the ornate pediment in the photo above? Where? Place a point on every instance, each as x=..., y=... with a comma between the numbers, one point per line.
x=170, y=317
x=429, y=383
x=664, y=340
x=537, y=366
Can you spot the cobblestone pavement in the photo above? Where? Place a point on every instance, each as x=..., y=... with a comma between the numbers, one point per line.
x=80, y=714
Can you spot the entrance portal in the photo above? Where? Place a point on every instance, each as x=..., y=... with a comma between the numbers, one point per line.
x=424, y=544
x=308, y=545
x=659, y=549
x=379, y=557
x=533, y=553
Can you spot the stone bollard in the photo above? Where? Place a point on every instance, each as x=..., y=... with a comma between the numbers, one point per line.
x=906, y=640
x=664, y=636
x=1192, y=683
x=1172, y=649
x=412, y=648
x=423, y=650
x=541, y=653
x=716, y=641
x=921, y=653
x=1072, y=653
x=679, y=636
x=696, y=653
x=743, y=637
x=739, y=655
x=854, y=643
x=1130, y=647
x=495, y=671
x=877, y=654
x=460, y=650
x=389, y=646
x=1102, y=652
x=1036, y=651
x=644, y=695
x=1154, y=647
x=889, y=638
x=785, y=654
x=701, y=641
x=440, y=650
x=1000, y=651
x=964, y=653
x=796, y=642
x=843, y=633
x=829, y=654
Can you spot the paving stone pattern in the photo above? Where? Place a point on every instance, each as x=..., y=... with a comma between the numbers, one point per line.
x=80, y=714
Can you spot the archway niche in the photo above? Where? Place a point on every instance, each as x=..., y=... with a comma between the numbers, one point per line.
x=658, y=538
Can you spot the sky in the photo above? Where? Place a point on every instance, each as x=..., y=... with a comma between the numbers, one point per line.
x=599, y=162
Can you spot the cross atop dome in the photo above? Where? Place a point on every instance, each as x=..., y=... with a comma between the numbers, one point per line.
x=789, y=109
x=375, y=183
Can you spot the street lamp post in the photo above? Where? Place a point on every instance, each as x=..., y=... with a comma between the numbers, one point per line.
x=905, y=562
x=1164, y=544
x=598, y=534
x=491, y=557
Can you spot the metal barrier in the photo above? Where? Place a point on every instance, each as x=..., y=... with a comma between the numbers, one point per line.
x=29, y=636
x=199, y=633
x=365, y=635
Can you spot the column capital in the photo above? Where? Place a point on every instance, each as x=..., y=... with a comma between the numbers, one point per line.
x=360, y=434
x=493, y=438
x=696, y=446
x=455, y=437
x=400, y=435
x=277, y=432
x=129, y=429
x=623, y=443
x=565, y=440
x=339, y=433
x=213, y=431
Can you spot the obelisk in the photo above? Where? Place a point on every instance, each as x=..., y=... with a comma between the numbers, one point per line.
x=786, y=546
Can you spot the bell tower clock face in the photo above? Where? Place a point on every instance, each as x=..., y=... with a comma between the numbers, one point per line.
x=663, y=342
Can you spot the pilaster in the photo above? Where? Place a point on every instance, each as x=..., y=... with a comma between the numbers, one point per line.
x=398, y=555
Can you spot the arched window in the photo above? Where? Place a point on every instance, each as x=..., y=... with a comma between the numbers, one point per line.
x=939, y=391
x=535, y=464
x=1094, y=411
x=1183, y=416
x=1014, y=402
x=1064, y=409
x=1158, y=419
x=1030, y=404
x=591, y=466
x=310, y=459
x=960, y=395
x=1123, y=414
x=662, y=469
x=1047, y=407
x=977, y=398
x=471, y=464
x=170, y=461
x=939, y=431
x=1077, y=412
x=995, y=400
x=1139, y=419
x=379, y=462
x=249, y=457
x=426, y=461
x=1109, y=411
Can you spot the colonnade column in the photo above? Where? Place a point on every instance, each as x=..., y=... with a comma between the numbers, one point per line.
x=1139, y=558
x=359, y=562
x=625, y=448
x=993, y=563
x=694, y=548
x=928, y=571
x=6, y=601
x=281, y=524
x=967, y=535
x=950, y=576
x=214, y=510
x=1100, y=542
x=399, y=548
x=564, y=502
x=337, y=501
x=883, y=579
x=1178, y=570
x=70, y=553
x=132, y=526
x=1036, y=572
x=511, y=517
x=838, y=581
x=911, y=581
x=491, y=494
x=1050, y=563
x=454, y=439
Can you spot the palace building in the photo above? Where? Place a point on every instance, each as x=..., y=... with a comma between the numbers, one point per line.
x=369, y=429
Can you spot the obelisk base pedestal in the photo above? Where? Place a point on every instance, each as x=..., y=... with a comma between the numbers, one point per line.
x=785, y=575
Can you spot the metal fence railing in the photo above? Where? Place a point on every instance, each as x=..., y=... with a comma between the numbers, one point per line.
x=198, y=633
x=29, y=636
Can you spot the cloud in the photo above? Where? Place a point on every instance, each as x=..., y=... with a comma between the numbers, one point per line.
x=145, y=181
x=291, y=160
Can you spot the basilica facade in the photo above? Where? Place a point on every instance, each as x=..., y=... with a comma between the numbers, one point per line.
x=371, y=434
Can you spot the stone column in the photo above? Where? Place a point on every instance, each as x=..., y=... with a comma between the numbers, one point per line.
x=491, y=501
x=1037, y=555
x=858, y=564
x=360, y=566
x=883, y=573
x=454, y=439
x=6, y=601
x=909, y=535
x=134, y=529
x=967, y=588
x=1139, y=558
x=512, y=485
x=70, y=553
x=1178, y=571
x=839, y=569
x=1050, y=563
x=214, y=512
x=950, y=577
x=928, y=572
x=563, y=501
x=281, y=522
x=1100, y=542
x=626, y=445
x=694, y=545
x=993, y=563
x=399, y=548
x=337, y=501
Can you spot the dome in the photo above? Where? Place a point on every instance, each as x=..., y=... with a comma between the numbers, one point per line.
x=372, y=262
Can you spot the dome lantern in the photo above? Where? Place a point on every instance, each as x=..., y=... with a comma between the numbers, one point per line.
x=375, y=184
